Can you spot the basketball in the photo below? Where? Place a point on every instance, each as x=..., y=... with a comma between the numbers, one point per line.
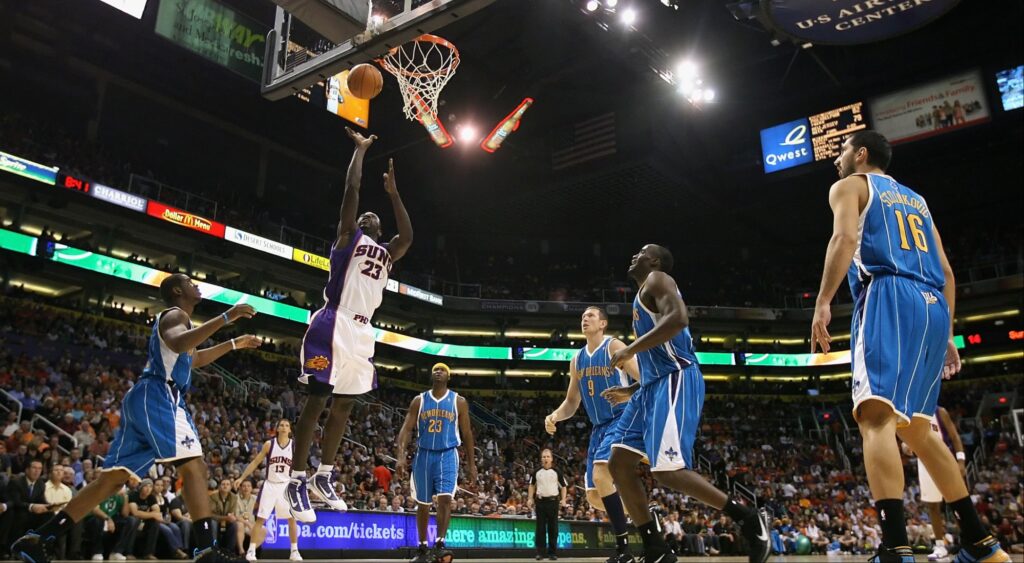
x=803, y=545
x=365, y=81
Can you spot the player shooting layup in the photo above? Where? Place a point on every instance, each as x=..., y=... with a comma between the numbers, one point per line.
x=337, y=351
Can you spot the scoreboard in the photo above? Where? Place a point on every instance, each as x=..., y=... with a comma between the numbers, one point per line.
x=810, y=139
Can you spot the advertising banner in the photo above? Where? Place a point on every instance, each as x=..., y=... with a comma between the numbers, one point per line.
x=931, y=109
x=389, y=530
x=310, y=259
x=185, y=219
x=28, y=169
x=257, y=242
x=787, y=145
x=118, y=197
x=215, y=32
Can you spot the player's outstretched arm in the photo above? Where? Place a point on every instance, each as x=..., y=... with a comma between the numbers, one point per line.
x=353, y=179
x=180, y=339
x=253, y=465
x=466, y=430
x=405, y=433
x=401, y=242
x=952, y=364
x=571, y=403
x=844, y=198
x=663, y=290
x=209, y=355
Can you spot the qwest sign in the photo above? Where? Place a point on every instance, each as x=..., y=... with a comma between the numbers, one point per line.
x=787, y=145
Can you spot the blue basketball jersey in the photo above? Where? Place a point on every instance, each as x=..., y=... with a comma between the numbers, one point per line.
x=596, y=375
x=164, y=363
x=671, y=356
x=438, y=427
x=896, y=237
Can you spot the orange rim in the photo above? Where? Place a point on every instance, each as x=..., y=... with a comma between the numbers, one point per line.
x=426, y=37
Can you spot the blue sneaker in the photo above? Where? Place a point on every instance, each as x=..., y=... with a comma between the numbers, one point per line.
x=324, y=488
x=32, y=548
x=298, y=500
x=987, y=550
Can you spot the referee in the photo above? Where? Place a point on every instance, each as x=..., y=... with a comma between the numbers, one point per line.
x=548, y=487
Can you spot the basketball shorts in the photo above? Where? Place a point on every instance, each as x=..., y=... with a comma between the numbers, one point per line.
x=898, y=338
x=337, y=350
x=929, y=490
x=272, y=500
x=600, y=449
x=156, y=427
x=628, y=431
x=434, y=473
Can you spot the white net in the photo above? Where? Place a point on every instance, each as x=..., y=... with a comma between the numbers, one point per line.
x=422, y=67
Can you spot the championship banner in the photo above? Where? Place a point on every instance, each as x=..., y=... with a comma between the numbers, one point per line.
x=214, y=32
x=395, y=530
x=185, y=219
x=931, y=109
x=28, y=169
x=257, y=242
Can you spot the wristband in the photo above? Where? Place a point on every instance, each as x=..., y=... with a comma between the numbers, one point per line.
x=224, y=316
x=233, y=347
x=961, y=456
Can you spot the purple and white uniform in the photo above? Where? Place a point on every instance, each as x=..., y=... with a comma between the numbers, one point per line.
x=338, y=346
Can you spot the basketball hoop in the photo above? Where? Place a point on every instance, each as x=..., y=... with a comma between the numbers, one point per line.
x=422, y=67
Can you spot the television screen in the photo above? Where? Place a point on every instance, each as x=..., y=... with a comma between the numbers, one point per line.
x=133, y=8
x=1011, y=87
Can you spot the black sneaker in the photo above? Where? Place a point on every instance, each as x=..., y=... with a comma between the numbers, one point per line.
x=422, y=555
x=440, y=554
x=218, y=554
x=887, y=555
x=32, y=548
x=621, y=557
x=659, y=555
x=756, y=533
x=538, y=557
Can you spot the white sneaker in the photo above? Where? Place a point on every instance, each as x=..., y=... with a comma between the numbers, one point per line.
x=250, y=556
x=321, y=485
x=298, y=500
x=97, y=557
x=295, y=556
x=939, y=554
x=117, y=557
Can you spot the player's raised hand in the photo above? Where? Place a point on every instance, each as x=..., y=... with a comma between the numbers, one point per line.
x=952, y=365
x=247, y=341
x=389, y=178
x=549, y=424
x=241, y=311
x=237, y=483
x=618, y=394
x=820, y=337
x=361, y=142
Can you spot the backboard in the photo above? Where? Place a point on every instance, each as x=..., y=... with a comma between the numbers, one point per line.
x=313, y=40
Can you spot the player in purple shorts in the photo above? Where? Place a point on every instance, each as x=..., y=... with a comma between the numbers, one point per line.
x=337, y=351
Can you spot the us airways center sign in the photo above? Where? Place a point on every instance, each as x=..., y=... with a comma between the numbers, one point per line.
x=850, y=22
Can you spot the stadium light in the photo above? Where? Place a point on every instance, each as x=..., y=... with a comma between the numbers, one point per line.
x=610, y=4
x=467, y=134
x=687, y=70
x=593, y=5
x=629, y=16
x=709, y=95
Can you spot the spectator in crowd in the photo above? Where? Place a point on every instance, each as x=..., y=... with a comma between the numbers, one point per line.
x=110, y=524
x=224, y=505
x=143, y=505
x=245, y=511
x=57, y=495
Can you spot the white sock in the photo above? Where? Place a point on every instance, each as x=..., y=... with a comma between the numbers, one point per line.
x=252, y=549
x=325, y=468
x=295, y=546
x=940, y=543
x=296, y=474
